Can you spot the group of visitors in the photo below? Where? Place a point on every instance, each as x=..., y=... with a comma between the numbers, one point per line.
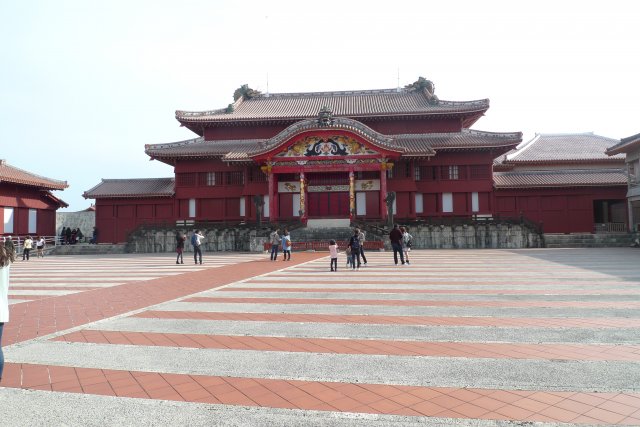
x=400, y=242
x=28, y=244
x=69, y=236
x=196, y=241
x=276, y=240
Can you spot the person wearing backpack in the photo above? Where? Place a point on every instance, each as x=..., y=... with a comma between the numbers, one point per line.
x=354, y=244
x=406, y=243
x=196, y=242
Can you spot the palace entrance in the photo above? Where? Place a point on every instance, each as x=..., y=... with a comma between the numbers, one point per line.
x=328, y=195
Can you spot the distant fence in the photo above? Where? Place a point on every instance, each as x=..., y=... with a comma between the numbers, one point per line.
x=323, y=245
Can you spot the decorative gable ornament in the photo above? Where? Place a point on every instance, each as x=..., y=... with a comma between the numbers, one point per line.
x=325, y=117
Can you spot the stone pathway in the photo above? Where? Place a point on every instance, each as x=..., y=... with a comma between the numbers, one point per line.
x=467, y=337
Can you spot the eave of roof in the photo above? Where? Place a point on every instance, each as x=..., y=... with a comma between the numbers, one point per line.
x=560, y=178
x=625, y=145
x=408, y=145
x=12, y=174
x=130, y=188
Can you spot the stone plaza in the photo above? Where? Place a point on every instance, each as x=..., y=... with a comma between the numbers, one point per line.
x=459, y=337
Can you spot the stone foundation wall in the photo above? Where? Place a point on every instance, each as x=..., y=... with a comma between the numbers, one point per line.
x=490, y=236
x=504, y=236
x=215, y=240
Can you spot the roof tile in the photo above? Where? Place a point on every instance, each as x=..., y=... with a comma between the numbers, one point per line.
x=135, y=187
x=16, y=175
x=560, y=178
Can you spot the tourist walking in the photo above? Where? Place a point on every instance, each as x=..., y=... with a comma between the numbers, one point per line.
x=333, y=253
x=40, y=242
x=27, y=245
x=180, y=238
x=362, y=238
x=406, y=243
x=286, y=246
x=395, y=236
x=354, y=244
x=196, y=242
x=274, y=239
x=7, y=256
x=347, y=253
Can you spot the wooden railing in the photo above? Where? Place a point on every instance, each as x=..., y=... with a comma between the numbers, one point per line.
x=611, y=227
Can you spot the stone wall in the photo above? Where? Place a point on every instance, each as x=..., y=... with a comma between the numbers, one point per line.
x=505, y=236
x=86, y=220
x=215, y=240
x=477, y=236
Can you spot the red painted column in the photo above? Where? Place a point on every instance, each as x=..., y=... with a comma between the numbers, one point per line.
x=383, y=194
x=272, y=198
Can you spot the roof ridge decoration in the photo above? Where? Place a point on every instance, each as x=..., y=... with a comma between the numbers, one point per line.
x=427, y=87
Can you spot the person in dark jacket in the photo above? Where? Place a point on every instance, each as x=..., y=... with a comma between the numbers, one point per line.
x=396, y=243
x=355, y=245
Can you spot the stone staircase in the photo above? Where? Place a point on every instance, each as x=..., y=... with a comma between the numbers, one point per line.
x=588, y=240
x=88, y=249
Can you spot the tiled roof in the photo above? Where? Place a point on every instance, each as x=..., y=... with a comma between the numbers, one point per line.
x=558, y=148
x=465, y=139
x=16, y=175
x=559, y=178
x=343, y=104
x=198, y=147
x=134, y=187
x=407, y=144
x=625, y=145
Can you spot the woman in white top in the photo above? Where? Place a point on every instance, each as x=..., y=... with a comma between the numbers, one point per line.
x=6, y=258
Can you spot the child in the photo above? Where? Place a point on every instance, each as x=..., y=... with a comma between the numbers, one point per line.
x=333, y=252
x=347, y=252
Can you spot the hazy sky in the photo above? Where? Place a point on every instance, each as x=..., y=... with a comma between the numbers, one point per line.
x=84, y=85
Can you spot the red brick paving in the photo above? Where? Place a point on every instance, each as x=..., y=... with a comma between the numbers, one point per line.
x=48, y=315
x=54, y=314
x=489, y=404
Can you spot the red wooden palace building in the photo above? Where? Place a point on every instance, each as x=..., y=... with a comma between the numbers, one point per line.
x=28, y=206
x=318, y=155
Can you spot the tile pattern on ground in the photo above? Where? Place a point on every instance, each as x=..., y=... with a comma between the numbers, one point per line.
x=487, y=279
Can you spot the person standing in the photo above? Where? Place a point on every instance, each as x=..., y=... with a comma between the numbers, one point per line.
x=94, y=237
x=180, y=238
x=354, y=244
x=395, y=236
x=333, y=253
x=286, y=246
x=406, y=243
x=7, y=256
x=196, y=241
x=8, y=243
x=275, y=240
x=67, y=236
x=40, y=246
x=27, y=245
x=361, y=237
x=63, y=233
